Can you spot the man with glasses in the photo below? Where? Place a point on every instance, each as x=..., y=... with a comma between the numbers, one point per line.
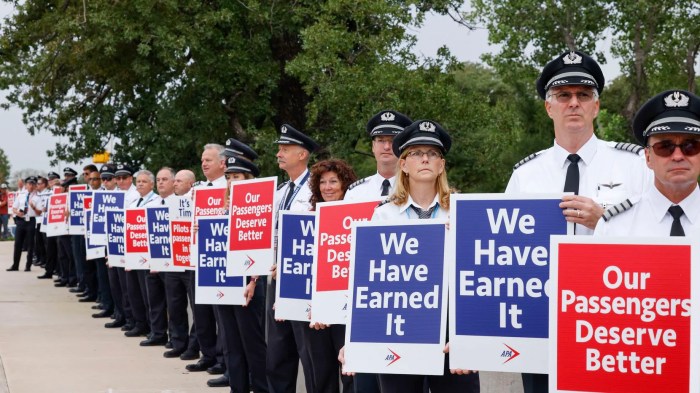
x=381, y=128
x=668, y=125
x=600, y=174
x=39, y=206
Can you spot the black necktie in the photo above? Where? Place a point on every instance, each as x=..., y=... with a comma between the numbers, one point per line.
x=676, y=227
x=288, y=199
x=572, y=177
x=385, y=187
x=424, y=214
x=162, y=201
x=210, y=184
x=139, y=203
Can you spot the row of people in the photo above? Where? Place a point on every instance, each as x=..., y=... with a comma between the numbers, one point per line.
x=605, y=179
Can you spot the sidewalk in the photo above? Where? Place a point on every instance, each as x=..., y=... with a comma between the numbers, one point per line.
x=50, y=343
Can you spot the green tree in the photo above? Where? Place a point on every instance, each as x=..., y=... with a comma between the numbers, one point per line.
x=4, y=167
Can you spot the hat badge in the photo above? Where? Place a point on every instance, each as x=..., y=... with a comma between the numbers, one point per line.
x=120, y=166
x=427, y=126
x=231, y=160
x=573, y=58
x=676, y=100
x=388, y=116
x=284, y=129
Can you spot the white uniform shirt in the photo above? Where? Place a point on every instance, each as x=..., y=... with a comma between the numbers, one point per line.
x=37, y=199
x=392, y=211
x=131, y=196
x=149, y=200
x=369, y=188
x=607, y=175
x=301, y=200
x=22, y=202
x=650, y=216
x=220, y=182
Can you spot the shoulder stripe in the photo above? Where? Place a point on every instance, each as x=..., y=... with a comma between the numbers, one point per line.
x=630, y=147
x=357, y=183
x=384, y=202
x=526, y=159
x=614, y=210
x=279, y=186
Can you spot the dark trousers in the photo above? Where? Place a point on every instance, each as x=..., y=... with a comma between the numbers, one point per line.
x=157, y=306
x=138, y=299
x=40, y=245
x=117, y=296
x=78, y=248
x=65, y=259
x=104, y=289
x=243, y=338
x=51, y=254
x=445, y=383
x=324, y=346
x=126, y=304
x=177, y=294
x=90, y=277
x=24, y=233
x=285, y=341
x=205, y=326
x=535, y=383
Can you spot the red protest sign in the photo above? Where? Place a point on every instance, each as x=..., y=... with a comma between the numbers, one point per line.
x=87, y=203
x=209, y=201
x=333, y=241
x=57, y=207
x=135, y=232
x=180, y=234
x=78, y=187
x=621, y=320
x=251, y=214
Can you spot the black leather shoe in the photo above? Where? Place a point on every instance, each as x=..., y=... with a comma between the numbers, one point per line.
x=201, y=365
x=153, y=341
x=127, y=327
x=115, y=324
x=97, y=307
x=61, y=284
x=173, y=353
x=44, y=276
x=216, y=369
x=26, y=269
x=12, y=269
x=73, y=285
x=103, y=314
x=220, y=382
x=136, y=332
x=76, y=290
x=169, y=345
x=88, y=299
x=189, y=355
x=82, y=294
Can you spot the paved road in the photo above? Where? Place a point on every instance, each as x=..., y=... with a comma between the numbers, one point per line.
x=49, y=343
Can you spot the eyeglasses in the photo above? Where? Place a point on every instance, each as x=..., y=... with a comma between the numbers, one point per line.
x=122, y=177
x=565, y=96
x=418, y=154
x=665, y=148
x=107, y=178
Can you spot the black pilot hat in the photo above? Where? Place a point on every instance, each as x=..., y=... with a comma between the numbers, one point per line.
x=123, y=170
x=53, y=176
x=235, y=147
x=422, y=132
x=291, y=136
x=671, y=111
x=236, y=164
x=570, y=68
x=108, y=170
x=68, y=171
x=387, y=122
x=31, y=179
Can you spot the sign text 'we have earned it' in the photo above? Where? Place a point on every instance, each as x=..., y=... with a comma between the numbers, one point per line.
x=398, y=313
x=621, y=315
x=499, y=295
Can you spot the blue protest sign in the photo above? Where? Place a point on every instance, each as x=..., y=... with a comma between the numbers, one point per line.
x=398, y=312
x=295, y=249
x=76, y=218
x=92, y=250
x=158, y=229
x=102, y=201
x=115, y=238
x=499, y=250
x=212, y=284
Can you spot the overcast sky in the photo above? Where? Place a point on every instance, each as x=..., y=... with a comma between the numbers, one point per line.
x=29, y=152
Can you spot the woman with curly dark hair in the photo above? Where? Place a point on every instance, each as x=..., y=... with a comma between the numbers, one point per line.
x=329, y=180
